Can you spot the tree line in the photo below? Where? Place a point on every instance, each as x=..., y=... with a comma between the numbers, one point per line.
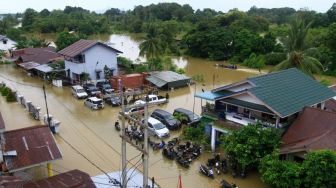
x=256, y=38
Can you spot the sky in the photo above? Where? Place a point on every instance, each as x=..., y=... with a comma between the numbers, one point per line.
x=14, y=6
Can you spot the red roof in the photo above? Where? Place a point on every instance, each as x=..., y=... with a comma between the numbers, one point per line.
x=37, y=55
x=30, y=146
x=10, y=182
x=2, y=123
x=333, y=87
x=82, y=45
x=314, y=129
x=71, y=179
x=330, y=105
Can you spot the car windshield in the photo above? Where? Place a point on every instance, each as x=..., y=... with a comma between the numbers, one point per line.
x=169, y=117
x=80, y=91
x=159, y=126
x=106, y=86
x=193, y=116
x=97, y=102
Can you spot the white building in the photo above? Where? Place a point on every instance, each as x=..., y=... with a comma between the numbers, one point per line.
x=89, y=56
x=6, y=43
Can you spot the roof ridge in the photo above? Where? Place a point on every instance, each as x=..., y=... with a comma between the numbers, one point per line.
x=273, y=73
x=318, y=109
x=27, y=128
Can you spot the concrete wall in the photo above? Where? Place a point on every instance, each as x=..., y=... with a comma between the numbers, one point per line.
x=98, y=53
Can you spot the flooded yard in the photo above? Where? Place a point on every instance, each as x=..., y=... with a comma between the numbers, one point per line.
x=93, y=132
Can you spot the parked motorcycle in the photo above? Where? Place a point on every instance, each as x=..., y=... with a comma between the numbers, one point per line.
x=157, y=146
x=206, y=171
x=117, y=126
x=225, y=184
x=169, y=152
x=183, y=161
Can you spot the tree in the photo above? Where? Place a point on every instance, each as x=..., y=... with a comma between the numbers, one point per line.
x=29, y=17
x=254, y=61
x=319, y=169
x=152, y=47
x=107, y=73
x=248, y=145
x=295, y=45
x=65, y=39
x=280, y=174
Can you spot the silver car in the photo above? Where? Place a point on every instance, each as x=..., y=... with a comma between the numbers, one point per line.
x=94, y=103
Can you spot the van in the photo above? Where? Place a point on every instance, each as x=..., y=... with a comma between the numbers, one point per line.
x=78, y=92
x=190, y=118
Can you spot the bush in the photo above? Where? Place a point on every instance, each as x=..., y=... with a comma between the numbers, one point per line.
x=196, y=134
x=11, y=96
x=5, y=90
x=274, y=58
x=254, y=61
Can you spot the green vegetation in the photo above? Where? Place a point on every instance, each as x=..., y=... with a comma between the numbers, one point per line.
x=196, y=134
x=8, y=93
x=317, y=170
x=248, y=145
x=282, y=36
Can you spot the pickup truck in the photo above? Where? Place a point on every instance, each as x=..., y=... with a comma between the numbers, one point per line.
x=152, y=99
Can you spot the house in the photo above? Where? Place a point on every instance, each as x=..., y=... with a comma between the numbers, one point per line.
x=40, y=56
x=273, y=99
x=7, y=44
x=89, y=56
x=314, y=129
x=70, y=179
x=28, y=147
x=167, y=79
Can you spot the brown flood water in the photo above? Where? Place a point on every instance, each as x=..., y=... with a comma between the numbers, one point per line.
x=93, y=133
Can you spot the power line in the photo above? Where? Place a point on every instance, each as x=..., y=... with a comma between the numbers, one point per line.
x=92, y=163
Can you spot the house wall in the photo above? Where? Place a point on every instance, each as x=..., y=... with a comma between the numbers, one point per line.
x=240, y=87
x=9, y=46
x=247, y=97
x=97, y=53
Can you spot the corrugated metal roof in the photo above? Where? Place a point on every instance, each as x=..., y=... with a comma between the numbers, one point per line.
x=82, y=45
x=33, y=146
x=70, y=179
x=156, y=81
x=212, y=96
x=169, y=76
x=249, y=105
x=44, y=68
x=29, y=65
x=314, y=129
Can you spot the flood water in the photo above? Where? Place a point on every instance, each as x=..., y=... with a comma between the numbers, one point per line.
x=93, y=133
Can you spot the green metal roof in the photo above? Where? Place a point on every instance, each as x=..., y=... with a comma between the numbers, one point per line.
x=289, y=91
x=249, y=105
x=212, y=96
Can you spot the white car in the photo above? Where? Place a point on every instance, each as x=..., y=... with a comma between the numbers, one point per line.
x=78, y=92
x=152, y=99
x=94, y=103
x=157, y=128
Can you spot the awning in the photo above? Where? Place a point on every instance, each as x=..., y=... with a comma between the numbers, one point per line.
x=212, y=96
x=245, y=104
x=29, y=65
x=44, y=68
x=156, y=81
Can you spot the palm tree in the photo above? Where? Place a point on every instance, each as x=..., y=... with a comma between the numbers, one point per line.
x=152, y=47
x=295, y=45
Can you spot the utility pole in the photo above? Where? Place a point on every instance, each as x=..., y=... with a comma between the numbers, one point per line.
x=145, y=158
x=48, y=118
x=123, y=141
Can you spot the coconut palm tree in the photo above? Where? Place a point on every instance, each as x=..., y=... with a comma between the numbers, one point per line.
x=152, y=47
x=295, y=45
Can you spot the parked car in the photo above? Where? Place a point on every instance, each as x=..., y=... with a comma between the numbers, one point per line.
x=113, y=100
x=78, y=92
x=166, y=118
x=104, y=87
x=91, y=89
x=190, y=117
x=94, y=103
x=152, y=99
x=157, y=128
x=136, y=110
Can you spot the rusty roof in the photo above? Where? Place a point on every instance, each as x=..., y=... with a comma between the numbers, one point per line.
x=314, y=129
x=37, y=55
x=333, y=87
x=81, y=46
x=70, y=179
x=2, y=123
x=28, y=147
x=330, y=105
x=10, y=182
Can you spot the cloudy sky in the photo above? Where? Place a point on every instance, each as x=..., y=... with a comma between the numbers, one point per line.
x=13, y=6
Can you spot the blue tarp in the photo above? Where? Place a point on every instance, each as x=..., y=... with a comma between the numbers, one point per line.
x=211, y=96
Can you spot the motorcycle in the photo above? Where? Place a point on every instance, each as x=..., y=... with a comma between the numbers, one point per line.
x=173, y=142
x=183, y=161
x=137, y=135
x=217, y=168
x=207, y=172
x=225, y=184
x=117, y=126
x=157, y=146
x=169, y=152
